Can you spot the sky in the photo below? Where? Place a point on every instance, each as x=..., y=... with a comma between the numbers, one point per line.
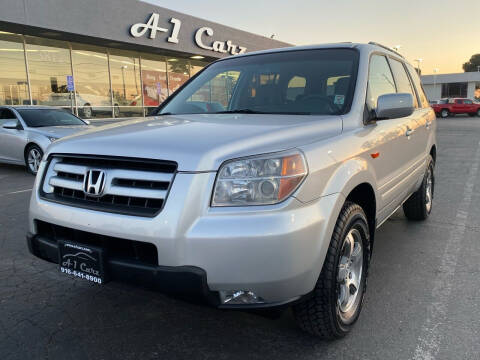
x=445, y=34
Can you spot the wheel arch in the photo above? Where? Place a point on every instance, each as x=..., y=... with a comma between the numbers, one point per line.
x=433, y=152
x=364, y=195
x=27, y=147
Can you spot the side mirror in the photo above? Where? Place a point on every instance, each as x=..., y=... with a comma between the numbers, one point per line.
x=392, y=106
x=11, y=124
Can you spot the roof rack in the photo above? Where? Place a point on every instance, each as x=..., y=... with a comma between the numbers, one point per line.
x=386, y=48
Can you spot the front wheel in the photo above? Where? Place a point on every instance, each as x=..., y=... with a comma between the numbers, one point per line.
x=444, y=113
x=336, y=301
x=419, y=205
x=33, y=158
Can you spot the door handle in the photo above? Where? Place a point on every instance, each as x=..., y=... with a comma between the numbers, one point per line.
x=409, y=132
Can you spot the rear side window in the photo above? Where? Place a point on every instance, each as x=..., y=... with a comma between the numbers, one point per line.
x=468, y=102
x=380, y=80
x=418, y=85
x=402, y=80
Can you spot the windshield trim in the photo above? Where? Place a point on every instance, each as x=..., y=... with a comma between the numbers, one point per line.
x=351, y=90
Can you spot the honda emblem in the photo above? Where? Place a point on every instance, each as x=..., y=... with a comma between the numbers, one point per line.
x=94, y=182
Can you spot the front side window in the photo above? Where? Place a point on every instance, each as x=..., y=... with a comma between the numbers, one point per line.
x=294, y=82
x=48, y=117
x=380, y=80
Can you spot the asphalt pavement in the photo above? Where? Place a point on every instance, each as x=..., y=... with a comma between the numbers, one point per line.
x=422, y=299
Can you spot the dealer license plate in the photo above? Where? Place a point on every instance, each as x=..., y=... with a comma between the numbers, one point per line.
x=82, y=261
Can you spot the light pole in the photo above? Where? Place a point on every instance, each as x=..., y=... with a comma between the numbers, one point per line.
x=419, y=60
x=435, y=71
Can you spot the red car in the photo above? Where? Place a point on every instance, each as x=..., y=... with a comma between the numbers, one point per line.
x=450, y=107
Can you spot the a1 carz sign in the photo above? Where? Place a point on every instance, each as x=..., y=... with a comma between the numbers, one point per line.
x=201, y=35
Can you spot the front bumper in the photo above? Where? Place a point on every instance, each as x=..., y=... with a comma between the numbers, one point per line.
x=275, y=251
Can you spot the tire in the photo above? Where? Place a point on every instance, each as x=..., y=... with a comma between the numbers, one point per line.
x=87, y=111
x=444, y=113
x=33, y=157
x=116, y=111
x=419, y=205
x=330, y=312
x=472, y=114
x=478, y=112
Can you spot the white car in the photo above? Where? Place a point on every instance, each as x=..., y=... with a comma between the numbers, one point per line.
x=26, y=132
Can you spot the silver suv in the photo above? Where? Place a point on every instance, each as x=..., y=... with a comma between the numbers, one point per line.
x=258, y=184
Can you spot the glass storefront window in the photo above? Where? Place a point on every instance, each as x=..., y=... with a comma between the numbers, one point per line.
x=92, y=84
x=126, y=84
x=13, y=76
x=154, y=81
x=178, y=73
x=49, y=65
x=196, y=66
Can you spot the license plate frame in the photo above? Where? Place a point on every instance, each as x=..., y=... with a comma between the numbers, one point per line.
x=82, y=261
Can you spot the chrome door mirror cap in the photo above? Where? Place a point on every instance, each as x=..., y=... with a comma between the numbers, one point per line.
x=10, y=124
x=392, y=106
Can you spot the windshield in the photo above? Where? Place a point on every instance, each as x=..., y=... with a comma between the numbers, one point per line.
x=48, y=117
x=304, y=82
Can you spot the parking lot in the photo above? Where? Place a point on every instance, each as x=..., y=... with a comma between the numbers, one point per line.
x=421, y=303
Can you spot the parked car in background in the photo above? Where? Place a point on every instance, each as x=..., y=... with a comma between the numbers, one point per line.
x=441, y=101
x=456, y=106
x=26, y=132
x=264, y=192
x=88, y=104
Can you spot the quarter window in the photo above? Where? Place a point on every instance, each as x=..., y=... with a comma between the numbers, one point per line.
x=403, y=82
x=380, y=80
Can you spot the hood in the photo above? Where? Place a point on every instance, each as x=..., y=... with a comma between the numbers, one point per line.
x=201, y=142
x=59, y=131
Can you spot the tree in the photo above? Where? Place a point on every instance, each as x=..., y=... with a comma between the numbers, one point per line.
x=473, y=64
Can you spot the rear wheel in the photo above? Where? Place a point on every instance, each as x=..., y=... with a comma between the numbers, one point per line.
x=419, y=205
x=33, y=158
x=336, y=301
x=444, y=113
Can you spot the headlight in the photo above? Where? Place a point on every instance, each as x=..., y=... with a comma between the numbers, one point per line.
x=52, y=139
x=259, y=180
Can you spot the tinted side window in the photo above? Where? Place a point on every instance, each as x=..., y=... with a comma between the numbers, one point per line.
x=401, y=79
x=380, y=80
x=418, y=86
x=295, y=88
x=469, y=102
x=6, y=114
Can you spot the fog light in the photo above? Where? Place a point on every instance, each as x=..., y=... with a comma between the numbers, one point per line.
x=239, y=297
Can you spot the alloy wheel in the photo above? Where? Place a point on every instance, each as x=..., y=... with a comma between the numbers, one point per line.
x=349, y=275
x=34, y=158
x=429, y=190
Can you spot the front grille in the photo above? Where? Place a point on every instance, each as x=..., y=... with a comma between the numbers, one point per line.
x=115, y=248
x=135, y=187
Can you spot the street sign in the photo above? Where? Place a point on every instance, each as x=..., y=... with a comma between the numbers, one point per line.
x=70, y=86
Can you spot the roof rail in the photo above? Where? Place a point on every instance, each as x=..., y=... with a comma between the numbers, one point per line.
x=386, y=48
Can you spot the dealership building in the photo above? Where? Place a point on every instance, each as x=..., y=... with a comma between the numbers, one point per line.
x=108, y=58
x=462, y=85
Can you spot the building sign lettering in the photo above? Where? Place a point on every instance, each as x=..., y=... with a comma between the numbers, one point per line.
x=151, y=27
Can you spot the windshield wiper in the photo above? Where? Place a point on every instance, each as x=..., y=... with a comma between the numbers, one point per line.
x=240, y=111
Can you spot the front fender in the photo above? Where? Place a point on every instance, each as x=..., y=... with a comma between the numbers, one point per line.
x=338, y=178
